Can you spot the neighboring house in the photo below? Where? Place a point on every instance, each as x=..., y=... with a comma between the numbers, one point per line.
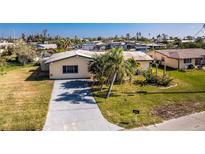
x=94, y=46
x=88, y=46
x=5, y=45
x=46, y=46
x=179, y=58
x=74, y=64
x=129, y=45
x=100, y=46
x=141, y=47
x=155, y=46
x=188, y=41
x=116, y=45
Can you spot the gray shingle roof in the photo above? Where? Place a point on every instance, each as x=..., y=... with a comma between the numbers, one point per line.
x=183, y=53
x=137, y=55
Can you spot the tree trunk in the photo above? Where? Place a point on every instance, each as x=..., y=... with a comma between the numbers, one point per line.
x=157, y=69
x=150, y=68
x=165, y=71
x=110, y=87
x=101, y=87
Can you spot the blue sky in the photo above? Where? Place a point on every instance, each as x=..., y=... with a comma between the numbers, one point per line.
x=99, y=29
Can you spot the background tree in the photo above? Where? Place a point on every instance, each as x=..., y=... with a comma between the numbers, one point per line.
x=44, y=32
x=23, y=36
x=24, y=53
x=128, y=36
x=64, y=44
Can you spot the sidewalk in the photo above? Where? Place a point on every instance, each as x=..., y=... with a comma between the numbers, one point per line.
x=193, y=122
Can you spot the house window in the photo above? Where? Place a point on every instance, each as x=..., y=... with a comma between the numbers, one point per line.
x=198, y=61
x=187, y=60
x=70, y=69
x=162, y=59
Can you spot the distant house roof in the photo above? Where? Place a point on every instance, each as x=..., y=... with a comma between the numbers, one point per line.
x=6, y=44
x=183, y=53
x=47, y=46
x=187, y=41
x=89, y=54
x=137, y=55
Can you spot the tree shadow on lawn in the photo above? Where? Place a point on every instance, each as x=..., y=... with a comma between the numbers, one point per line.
x=37, y=75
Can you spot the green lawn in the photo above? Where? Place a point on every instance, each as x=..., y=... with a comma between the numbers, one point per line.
x=24, y=98
x=157, y=104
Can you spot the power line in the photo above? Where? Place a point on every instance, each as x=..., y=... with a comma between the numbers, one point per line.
x=202, y=30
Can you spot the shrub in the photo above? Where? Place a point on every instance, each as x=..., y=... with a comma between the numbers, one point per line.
x=154, y=80
x=150, y=78
x=164, y=81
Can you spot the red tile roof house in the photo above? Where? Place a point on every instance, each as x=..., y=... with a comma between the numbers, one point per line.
x=179, y=58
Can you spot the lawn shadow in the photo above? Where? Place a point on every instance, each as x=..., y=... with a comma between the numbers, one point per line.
x=37, y=75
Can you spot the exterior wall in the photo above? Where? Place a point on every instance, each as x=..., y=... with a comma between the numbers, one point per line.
x=183, y=65
x=144, y=65
x=168, y=61
x=44, y=66
x=56, y=68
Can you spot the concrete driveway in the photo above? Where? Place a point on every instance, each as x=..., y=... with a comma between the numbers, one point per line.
x=72, y=107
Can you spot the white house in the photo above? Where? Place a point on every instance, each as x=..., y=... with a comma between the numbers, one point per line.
x=5, y=44
x=74, y=64
x=46, y=46
x=88, y=46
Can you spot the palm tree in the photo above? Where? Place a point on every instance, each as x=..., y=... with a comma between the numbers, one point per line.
x=98, y=67
x=64, y=44
x=120, y=67
x=111, y=66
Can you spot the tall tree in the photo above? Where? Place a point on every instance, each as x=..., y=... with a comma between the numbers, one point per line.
x=23, y=36
x=128, y=36
x=98, y=67
x=118, y=66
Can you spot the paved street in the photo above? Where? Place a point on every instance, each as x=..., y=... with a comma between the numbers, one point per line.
x=193, y=122
x=72, y=107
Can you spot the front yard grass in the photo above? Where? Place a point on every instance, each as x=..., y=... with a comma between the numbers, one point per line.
x=157, y=104
x=24, y=98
